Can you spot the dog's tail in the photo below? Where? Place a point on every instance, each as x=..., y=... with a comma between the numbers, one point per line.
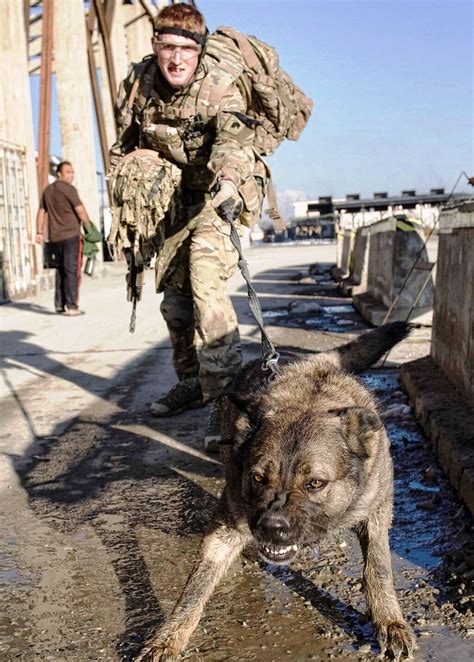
x=361, y=353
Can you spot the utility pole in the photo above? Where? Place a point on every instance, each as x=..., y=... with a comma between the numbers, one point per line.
x=45, y=94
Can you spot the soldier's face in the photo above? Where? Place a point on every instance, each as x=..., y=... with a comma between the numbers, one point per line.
x=178, y=58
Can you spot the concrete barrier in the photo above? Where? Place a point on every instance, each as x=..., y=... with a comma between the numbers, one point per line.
x=440, y=386
x=396, y=244
x=345, y=242
x=356, y=282
x=452, y=341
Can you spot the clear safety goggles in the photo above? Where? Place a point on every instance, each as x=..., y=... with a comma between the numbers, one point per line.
x=168, y=50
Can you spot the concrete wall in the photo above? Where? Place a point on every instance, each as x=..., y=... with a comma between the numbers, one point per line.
x=452, y=341
x=392, y=254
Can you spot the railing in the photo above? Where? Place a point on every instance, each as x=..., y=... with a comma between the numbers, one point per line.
x=17, y=254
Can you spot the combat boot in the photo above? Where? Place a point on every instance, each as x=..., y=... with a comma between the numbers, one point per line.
x=186, y=394
x=214, y=427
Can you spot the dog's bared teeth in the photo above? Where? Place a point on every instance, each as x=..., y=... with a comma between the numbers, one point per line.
x=279, y=551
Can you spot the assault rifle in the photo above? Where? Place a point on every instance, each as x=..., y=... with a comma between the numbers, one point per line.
x=135, y=280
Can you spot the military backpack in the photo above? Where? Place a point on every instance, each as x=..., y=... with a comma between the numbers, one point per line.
x=278, y=107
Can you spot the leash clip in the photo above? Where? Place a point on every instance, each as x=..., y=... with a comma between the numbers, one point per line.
x=271, y=363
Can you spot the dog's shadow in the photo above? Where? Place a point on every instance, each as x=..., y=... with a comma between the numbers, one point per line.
x=342, y=614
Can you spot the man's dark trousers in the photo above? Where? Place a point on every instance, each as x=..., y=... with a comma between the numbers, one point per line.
x=68, y=273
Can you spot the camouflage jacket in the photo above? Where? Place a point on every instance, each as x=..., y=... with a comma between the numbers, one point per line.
x=202, y=128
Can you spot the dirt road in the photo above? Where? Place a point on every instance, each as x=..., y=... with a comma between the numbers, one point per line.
x=103, y=506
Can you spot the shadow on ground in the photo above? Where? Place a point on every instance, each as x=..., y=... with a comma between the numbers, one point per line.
x=125, y=475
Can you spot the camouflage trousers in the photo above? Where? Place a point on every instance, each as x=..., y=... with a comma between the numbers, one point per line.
x=196, y=305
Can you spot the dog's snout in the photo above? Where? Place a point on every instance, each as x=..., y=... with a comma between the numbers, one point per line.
x=274, y=527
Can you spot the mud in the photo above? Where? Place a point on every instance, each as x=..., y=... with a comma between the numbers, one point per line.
x=104, y=522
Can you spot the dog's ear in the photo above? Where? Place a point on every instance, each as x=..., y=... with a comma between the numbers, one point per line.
x=241, y=401
x=246, y=419
x=360, y=425
x=249, y=405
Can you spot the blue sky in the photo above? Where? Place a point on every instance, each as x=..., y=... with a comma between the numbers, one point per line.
x=392, y=83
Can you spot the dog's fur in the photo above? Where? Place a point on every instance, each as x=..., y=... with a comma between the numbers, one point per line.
x=304, y=454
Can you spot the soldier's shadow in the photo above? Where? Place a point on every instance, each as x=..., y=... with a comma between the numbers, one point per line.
x=123, y=484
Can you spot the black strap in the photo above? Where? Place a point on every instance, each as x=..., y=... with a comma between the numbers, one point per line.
x=181, y=32
x=269, y=354
x=156, y=185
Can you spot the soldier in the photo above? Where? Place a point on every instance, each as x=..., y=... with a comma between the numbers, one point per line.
x=181, y=103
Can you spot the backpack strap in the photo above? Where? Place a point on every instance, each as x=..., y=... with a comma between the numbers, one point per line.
x=133, y=93
x=273, y=210
x=143, y=83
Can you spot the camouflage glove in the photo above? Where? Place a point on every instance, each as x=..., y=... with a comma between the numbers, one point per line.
x=226, y=200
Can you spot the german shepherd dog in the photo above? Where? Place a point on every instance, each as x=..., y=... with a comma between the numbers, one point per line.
x=304, y=454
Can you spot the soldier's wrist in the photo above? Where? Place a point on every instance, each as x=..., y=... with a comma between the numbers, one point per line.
x=229, y=184
x=230, y=178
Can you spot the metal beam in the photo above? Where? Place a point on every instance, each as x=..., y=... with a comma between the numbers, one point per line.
x=109, y=14
x=147, y=9
x=104, y=32
x=45, y=94
x=96, y=92
x=26, y=17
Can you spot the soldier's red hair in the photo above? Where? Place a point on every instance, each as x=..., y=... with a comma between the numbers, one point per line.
x=182, y=16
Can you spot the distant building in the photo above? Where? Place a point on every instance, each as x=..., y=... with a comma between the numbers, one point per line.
x=320, y=218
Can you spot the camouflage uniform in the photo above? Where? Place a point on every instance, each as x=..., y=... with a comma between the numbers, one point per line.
x=201, y=128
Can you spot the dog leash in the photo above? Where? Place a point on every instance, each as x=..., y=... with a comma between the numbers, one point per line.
x=270, y=356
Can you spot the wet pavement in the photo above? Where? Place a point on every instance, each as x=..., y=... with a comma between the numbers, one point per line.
x=103, y=507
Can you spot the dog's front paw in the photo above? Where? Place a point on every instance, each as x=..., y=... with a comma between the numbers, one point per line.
x=159, y=650
x=396, y=639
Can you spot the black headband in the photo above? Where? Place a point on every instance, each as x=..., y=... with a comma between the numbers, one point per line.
x=195, y=36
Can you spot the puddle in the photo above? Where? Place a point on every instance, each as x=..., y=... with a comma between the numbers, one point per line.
x=323, y=324
x=274, y=313
x=338, y=309
x=418, y=487
x=418, y=524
